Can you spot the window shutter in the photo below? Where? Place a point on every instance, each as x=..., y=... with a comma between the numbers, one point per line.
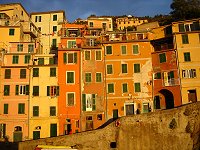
x=57, y=91
x=93, y=102
x=75, y=58
x=84, y=102
x=48, y=90
x=181, y=28
x=17, y=90
x=65, y=58
x=27, y=89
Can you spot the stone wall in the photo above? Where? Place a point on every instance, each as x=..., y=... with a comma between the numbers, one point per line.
x=174, y=129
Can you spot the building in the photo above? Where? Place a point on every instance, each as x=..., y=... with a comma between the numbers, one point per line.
x=129, y=21
x=49, y=23
x=128, y=78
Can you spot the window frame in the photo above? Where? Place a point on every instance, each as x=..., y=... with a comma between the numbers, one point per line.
x=87, y=56
x=5, y=108
x=55, y=17
x=107, y=50
x=6, y=90
x=187, y=56
x=36, y=111
x=96, y=55
x=66, y=57
x=123, y=90
x=7, y=71
x=53, y=72
x=108, y=72
x=21, y=108
x=52, y=111
x=124, y=70
x=67, y=99
x=22, y=73
x=36, y=72
x=67, y=77
x=122, y=46
x=97, y=77
x=20, y=47
x=185, y=39
x=134, y=50
x=136, y=69
x=135, y=85
x=15, y=59
x=88, y=77
x=36, y=91
x=113, y=88
x=161, y=56
x=11, y=32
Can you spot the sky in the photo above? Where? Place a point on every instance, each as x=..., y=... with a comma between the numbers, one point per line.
x=83, y=8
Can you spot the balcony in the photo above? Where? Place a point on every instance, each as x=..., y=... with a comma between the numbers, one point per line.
x=171, y=82
x=29, y=28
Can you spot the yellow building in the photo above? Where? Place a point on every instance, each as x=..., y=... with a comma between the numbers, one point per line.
x=49, y=23
x=128, y=73
x=187, y=37
x=129, y=21
x=43, y=121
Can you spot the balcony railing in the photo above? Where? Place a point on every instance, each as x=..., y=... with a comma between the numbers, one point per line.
x=29, y=28
x=171, y=82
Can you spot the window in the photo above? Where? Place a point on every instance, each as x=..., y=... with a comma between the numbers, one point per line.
x=21, y=108
x=87, y=55
x=54, y=17
x=2, y=130
x=70, y=99
x=91, y=24
x=109, y=69
x=104, y=26
x=109, y=50
x=70, y=77
x=35, y=90
x=6, y=90
x=5, y=109
x=135, y=49
x=20, y=47
x=7, y=74
x=51, y=61
x=70, y=58
x=88, y=102
x=137, y=87
x=35, y=111
x=22, y=73
x=54, y=43
x=99, y=117
x=52, y=91
x=40, y=61
x=30, y=48
x=185, y=39
x=54, y=28
x=52, y=72
x=88, y=77
x=157, y=75
x=98, y=55
x=15, y=59
x=38, y=18
x=98, y=77
x=11, y=31
x=124, y=88
x=162, y=58
x=168, y=78
x=71, y=44
x=52, y=111
x=191, y=73
x=22, y=90
x=110, y=88
x=187, y=56
x=124, y=68
x=35, y=72
x=27, y=59
x=123, y=50
x=136, y=68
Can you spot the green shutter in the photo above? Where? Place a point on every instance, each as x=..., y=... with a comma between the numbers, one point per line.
x=48, y=90
x=65, y=58
x=5, y=111
x=171, y=74
x=136, y=68
x=84, y=102
x=27, y=89
x=93, y=102
x=137, y=87
x=57, y=91
x=75, y=58
x=17, y=90
x=181, y=28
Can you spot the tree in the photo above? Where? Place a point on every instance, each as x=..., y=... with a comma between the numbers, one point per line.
x=185, y=9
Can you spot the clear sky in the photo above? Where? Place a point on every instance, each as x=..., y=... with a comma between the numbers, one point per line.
x=83, y=8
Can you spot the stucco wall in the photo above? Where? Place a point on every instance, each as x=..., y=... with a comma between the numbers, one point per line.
x=174, y=129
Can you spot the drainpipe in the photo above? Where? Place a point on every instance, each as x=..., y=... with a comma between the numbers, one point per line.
x=80, y=91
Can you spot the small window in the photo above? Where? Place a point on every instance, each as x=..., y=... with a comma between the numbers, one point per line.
x=7, y=74
x=35, y=72
x=30, y=48
x=22, y=73
x=54, y=28
x=91, y=24
x=98, y=55
x=162, y=58
x=135, y=49
x=51, y=61
x=6, y=90
x=70, y=99
x=15, y=59
x=87, y=55
x=98, y=77
x=54, y=43
x=40, y=18
x=88, y=77
x=70, y=58
x=35, y=90
x=52, y=91
x=185, y=39
x=21, y=108
x=136, y=68
x=109, y=69
x=52, y=111
x=52, y=72
x=187, y=56
x=70, y=77
x=157, y=75
x=11, y=31
x=27, y=59
x=20, y=47
x=124, y=88
x=109, y=50
x=40, y=61
x=111, y=88
x=124, y=68
x=5, y=109
x=137, y=87
x=123, y=50
x=99, y=117
x=22, y=90
x=35, y=111
x=54, y=17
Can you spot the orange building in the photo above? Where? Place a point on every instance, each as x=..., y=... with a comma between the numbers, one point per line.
x=69, y=79
x=128, y=73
